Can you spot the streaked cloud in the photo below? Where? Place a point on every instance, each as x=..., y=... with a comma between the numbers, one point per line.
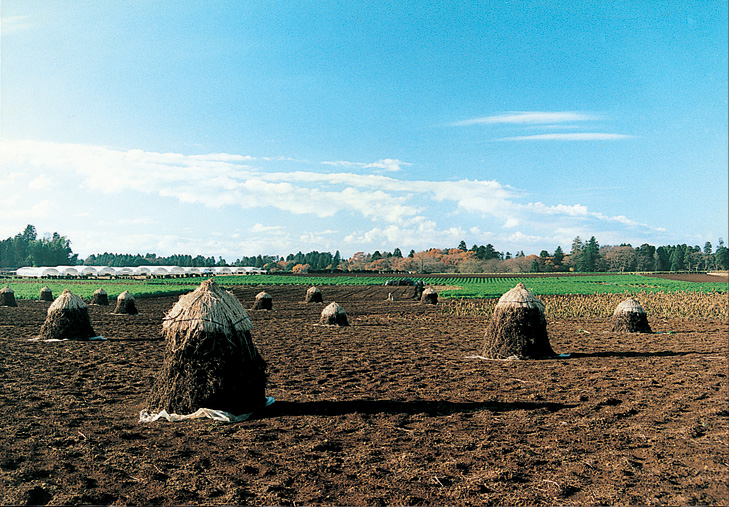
x=11, y=24
x=529, y=118
x=384, y=165
x=575, y=136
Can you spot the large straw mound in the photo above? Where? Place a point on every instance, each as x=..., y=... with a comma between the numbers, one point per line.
x=313, y=295
x=210, y=359
x=67, y=318
x=7, y=297
x=264, y=301
x=100, y=298
x=125, y=304
x=630, y=317
x=333, y=315
x=518, y=327
x=429, y=297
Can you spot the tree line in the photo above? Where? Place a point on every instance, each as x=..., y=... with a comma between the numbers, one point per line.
x=25, y=249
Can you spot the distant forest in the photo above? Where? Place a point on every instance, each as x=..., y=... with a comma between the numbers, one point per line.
x=25, y=249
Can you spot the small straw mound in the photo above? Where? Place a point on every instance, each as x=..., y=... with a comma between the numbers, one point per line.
x=418, y=290
x=630, y=317
x=7, y=297
x=333, y=315
x=313, y=295
x=46, y=294
x=518, y=327
x=67, y=318
x=429, y=297
x=264, y=301
x=210, y=359
x=100, y=298
x=125, y=304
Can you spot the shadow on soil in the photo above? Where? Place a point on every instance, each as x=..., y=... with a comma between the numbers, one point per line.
x=332, y=408
x=662, y=353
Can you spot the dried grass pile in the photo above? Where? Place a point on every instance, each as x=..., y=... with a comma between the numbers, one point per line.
x=125, y=304
x=429, y=297
x=264, y=301
x=313, y=295
x=210, y=359
x=67, y=318
x=418, y=291
x=46, y=294
x=518, y=327
x=7, y=297
x=100, y=298
x=630, y=317
x=333, y=315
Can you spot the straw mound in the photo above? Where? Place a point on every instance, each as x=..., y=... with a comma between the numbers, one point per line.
x=125, y=304
x=313, y=295
x=429, y=296
x=630, y=317
x=100, y=298
x=264, y=301
x=46, y=294
x=518, y=327
x=333, y=315
x=67, y=318
x=7, y=297
x=418, y=290
x=210, y=359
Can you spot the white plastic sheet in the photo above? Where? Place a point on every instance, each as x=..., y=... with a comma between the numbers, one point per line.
x=38, y=339
x=202, y=413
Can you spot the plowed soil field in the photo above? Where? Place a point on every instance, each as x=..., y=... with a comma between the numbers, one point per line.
x=388, y=411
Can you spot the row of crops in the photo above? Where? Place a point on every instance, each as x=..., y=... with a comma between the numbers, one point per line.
x=460, y=288
x=662, y=305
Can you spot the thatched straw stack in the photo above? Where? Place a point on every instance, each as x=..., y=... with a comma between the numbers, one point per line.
x=46, y=294
x=125, y=304
x=429, y=297
x=630, y=317
x=313, y=295
x=210, y=359
x=418, y=292
x=67, y=318
x=518, y=327
x=7, y=297
x=333, y=315
x=264, y=301
x=100, y=298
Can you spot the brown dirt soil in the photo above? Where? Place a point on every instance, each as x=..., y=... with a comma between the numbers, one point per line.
x=693, y=277
x=387, y=411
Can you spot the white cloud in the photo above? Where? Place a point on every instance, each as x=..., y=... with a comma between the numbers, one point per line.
x=529, y=118
x=575, y=136
x=180, y=189
x=384, y=165
x=11, y=24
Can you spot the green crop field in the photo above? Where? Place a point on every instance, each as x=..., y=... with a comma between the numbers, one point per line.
x=450, y=287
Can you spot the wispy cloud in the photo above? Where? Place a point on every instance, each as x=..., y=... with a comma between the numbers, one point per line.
x=384, y=165
x=11, y=24
x=574, y=136
x=529, y=118
x=41, y=178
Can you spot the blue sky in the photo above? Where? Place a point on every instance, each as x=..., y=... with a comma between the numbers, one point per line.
x=239, y=128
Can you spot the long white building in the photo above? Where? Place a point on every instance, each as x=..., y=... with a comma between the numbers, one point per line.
x=93, y=271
